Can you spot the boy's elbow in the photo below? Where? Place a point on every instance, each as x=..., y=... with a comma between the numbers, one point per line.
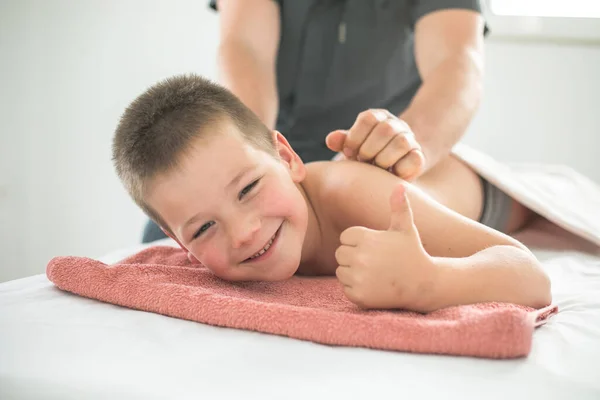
x=544, y=297
x=540, y=291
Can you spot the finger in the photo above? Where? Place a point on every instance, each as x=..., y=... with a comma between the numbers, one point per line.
x=380, y=137
x=383, y=111
x=338, y=157
x=352, y=294
x=395, y=150
x=402, y=124
x=344, y=275
x=364, y=124
x=401, y=218
x=410, y=166
x=344, y=255
x=353, y=236
x=335, y=140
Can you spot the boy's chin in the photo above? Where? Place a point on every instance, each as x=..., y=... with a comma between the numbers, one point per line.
x=280, y=274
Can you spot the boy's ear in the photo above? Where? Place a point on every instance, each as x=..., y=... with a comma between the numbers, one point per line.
x=190, y=256
x=289, y=157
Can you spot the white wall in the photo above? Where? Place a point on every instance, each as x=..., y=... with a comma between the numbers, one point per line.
x=541, y=104
x=70, y=67
x=68, y=70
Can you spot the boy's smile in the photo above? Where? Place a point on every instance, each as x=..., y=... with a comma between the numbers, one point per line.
x=236, y=208
x=266, y=250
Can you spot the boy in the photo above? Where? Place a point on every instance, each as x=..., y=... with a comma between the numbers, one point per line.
x=240, y=201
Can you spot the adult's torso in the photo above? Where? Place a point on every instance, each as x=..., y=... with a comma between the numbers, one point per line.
x=337, y=58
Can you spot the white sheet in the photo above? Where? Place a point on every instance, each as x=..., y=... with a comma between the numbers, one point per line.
x=55, y=345
x=556, y=192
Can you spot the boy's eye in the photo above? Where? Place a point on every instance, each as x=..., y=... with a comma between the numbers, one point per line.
x=247, y=189
x=203, y=228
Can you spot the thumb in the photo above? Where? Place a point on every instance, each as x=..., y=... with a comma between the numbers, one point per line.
x=401, y=218
x=336, y=139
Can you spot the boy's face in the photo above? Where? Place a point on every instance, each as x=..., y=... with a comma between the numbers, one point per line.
x=235, y=208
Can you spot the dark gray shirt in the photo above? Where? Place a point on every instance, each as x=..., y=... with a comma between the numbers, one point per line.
x=337, y=58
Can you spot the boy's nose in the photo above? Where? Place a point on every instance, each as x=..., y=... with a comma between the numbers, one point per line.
x=243, y=232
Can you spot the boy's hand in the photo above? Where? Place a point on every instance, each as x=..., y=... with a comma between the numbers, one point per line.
x=387, y=269
x=381, y=138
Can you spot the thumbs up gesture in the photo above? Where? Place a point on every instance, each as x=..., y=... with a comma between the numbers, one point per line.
x=387, y=269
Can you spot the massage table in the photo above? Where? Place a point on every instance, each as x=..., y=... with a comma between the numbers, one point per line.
x=57, y=345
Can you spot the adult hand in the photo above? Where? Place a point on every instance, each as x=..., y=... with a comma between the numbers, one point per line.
x=380, y=138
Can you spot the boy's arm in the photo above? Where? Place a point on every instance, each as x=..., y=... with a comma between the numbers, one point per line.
x=472, y=263
x=499, y=273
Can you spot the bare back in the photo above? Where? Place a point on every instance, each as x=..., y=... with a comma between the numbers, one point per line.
x=446, y=204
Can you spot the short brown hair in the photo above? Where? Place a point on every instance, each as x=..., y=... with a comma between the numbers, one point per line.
x=159, y=126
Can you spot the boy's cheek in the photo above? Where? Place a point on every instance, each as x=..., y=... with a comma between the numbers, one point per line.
x=215, y=261
x=281, y=203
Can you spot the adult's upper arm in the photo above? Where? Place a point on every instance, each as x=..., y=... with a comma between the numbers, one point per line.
x=445, y=28
x=253, y=23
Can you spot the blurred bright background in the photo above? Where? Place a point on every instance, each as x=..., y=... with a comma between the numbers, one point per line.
x=69, y=68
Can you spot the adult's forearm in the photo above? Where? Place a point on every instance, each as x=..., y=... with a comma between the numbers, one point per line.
x=497, y=274
x=250, y=78
x=445, y=104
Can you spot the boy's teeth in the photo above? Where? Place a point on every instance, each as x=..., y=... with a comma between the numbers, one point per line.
x=260, y=253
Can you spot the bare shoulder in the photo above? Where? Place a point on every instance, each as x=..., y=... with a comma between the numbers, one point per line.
x=343, y=190
x=350, y=193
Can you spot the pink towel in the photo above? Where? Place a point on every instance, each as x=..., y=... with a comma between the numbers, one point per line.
x=160, y=279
